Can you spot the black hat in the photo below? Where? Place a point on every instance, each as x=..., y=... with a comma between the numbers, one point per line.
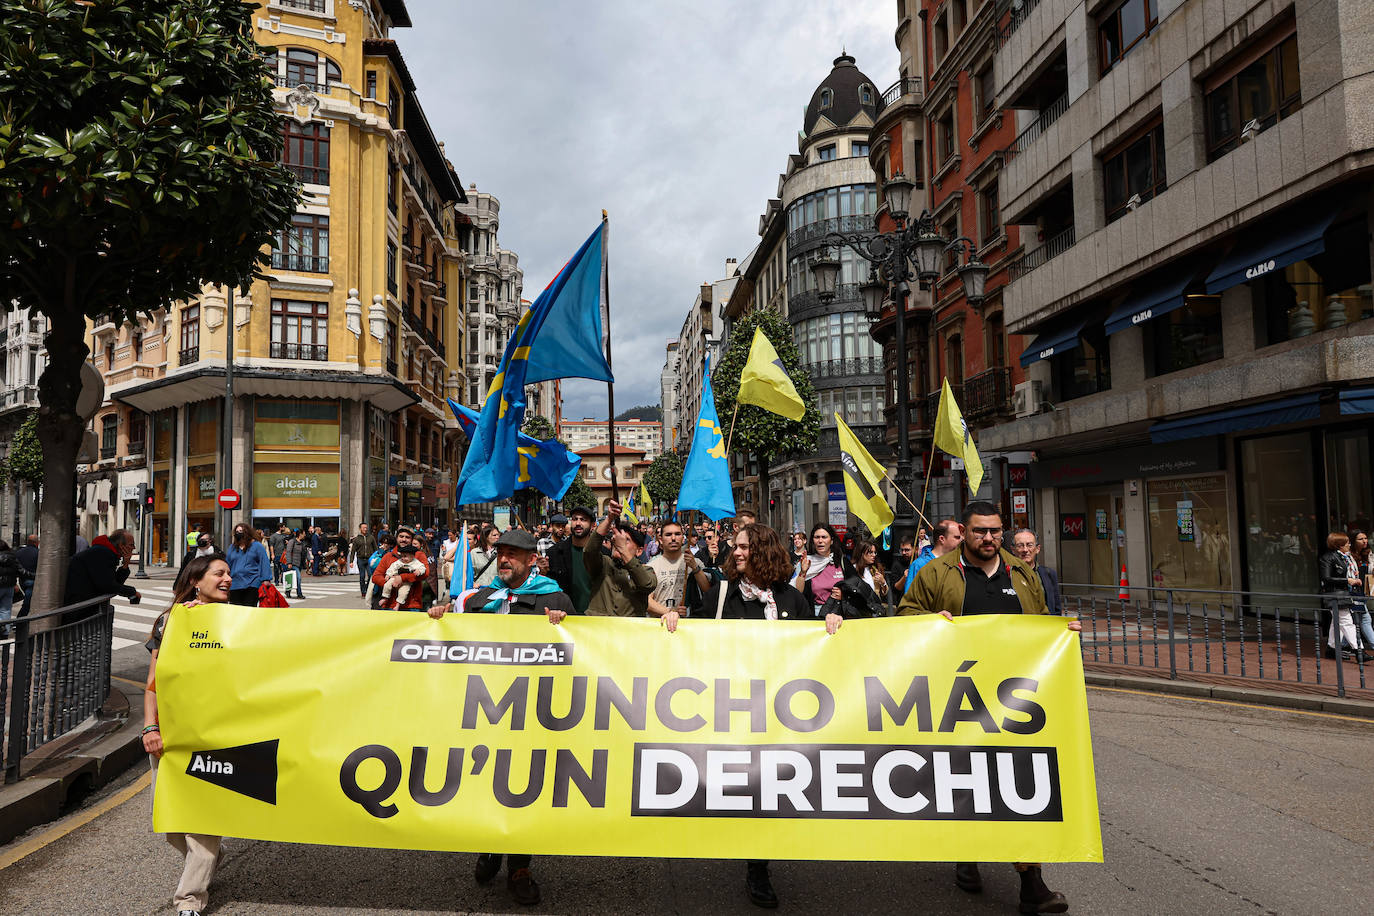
x=558, y=520
x=583, y=510
x=518, y=538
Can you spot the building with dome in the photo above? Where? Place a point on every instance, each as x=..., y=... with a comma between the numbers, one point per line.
x=827, y=186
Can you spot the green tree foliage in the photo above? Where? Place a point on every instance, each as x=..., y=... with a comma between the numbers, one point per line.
x=139, y=160
x=766, y=436
x=645, y=412
x=664, y=477
x=25, y=459
x=579, y=494
x=537, y=426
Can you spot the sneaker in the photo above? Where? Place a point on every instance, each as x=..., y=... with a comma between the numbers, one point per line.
x=522, y=887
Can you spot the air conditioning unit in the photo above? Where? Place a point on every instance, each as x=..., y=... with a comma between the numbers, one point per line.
x=1027, y=398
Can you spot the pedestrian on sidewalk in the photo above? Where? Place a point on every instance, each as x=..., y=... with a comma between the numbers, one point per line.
x=293, y=561
x=1340, y=577
x=517, y=588
x=1026, y=546
x=983, y=578
x=359, y=550
x=249, y=565
x=203, y=580
x=102, y=569
x=483, y=556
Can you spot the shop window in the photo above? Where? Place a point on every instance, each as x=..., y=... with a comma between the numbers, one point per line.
x=1253, y=94
x=1279, y=492
x=1135, y=173
x=1327, y=291
x=1190, y=533
x=1125, y=27
x=1186, y=337
x=1084, y=370
x=1349, y=489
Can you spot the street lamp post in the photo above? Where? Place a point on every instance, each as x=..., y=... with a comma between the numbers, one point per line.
x=911, y=251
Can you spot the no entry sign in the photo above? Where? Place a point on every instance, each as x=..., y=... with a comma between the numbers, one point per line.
x=228, y=499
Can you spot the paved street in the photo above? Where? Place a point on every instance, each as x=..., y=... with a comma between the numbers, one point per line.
x=1207, y=808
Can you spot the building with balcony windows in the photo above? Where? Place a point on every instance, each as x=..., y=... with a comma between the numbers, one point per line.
x=667, y=384
x=643, y=437
x=342, y=353
x=22, y=361
x=495, y=290
x=698, y=341
x=1194, y=191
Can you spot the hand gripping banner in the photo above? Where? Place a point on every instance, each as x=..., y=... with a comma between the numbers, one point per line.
x=902, y=739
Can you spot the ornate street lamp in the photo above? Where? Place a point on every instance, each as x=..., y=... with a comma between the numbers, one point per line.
x=874, y=291
x=897, y=193
x=826, y=269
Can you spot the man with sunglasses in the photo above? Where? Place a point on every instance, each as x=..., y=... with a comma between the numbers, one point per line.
x=983, y=578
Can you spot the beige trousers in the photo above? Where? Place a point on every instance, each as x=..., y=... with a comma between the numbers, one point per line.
x=202, y=854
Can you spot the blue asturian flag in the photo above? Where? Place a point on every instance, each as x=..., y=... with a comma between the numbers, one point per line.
x=706, y=478
x=545, y=464
x=559, y=337
x=462, y=563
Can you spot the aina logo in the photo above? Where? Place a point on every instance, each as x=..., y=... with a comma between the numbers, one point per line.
x=248, y=769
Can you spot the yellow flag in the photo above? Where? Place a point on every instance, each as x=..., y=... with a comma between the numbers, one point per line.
x=645, y=500
x=862, y=476
x=765, y=382
x=953, y=437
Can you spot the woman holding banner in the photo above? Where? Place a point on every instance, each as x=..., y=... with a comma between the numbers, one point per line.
x=204, y=580
x=756, y=588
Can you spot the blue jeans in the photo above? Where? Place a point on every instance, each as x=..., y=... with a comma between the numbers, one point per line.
x=6, y=602
x=1364, y=624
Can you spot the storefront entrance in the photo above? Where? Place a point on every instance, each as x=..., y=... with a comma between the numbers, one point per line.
x=1106, y=530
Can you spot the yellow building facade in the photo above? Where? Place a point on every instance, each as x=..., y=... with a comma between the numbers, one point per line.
x=344, y=353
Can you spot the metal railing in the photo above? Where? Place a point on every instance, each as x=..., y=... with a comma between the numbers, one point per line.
x=933, y=400
x=1017, y=12
x=844, y=368
x=188, y=355
x=810, y=298
x=280, y=350
x=907, y=85
x=1042, y=122
x=52, y=680
x=314, y=6
x=1255, y=636
x=286, y=82
x=1046, y=252
x=823, y=227
x=304, y=263
x=988, y=393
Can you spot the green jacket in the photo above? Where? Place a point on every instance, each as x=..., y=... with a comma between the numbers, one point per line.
x=939, y=586
x=618, y=589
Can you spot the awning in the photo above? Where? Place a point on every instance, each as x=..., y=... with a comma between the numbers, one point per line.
x=1059, y=338
x=1254, y=416
x=381, y=391
x=1357, y=401
x=1158, y=294
x=1274, y=247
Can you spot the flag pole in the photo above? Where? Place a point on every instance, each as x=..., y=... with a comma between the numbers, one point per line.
x=733, y=414
x=887, y=474
x=606, y=316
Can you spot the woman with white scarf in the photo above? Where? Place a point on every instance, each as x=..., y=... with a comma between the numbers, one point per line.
x=756, y=588
x=819, y=573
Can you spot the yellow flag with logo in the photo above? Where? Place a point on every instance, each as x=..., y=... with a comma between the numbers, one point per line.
x=952, y=436
x=765, y=383
x=862, y=476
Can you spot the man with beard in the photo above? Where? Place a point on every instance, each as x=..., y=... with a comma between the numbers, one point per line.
x=415, y=599
x=564, y=563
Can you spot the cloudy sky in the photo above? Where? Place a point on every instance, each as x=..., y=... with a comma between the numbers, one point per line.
x=676, y=117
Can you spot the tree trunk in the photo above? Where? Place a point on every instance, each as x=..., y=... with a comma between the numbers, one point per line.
x=60, y=431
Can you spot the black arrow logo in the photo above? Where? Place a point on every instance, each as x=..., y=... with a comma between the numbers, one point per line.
x=249, y=769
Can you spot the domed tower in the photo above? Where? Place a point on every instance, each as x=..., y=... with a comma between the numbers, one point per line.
x=828, y=187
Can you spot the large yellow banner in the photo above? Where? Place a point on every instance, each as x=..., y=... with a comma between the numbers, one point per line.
x=897, y=739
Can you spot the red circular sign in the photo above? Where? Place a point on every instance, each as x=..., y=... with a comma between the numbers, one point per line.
x=228, y=499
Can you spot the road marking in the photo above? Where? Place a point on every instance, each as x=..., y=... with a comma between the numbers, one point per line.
x=1175, y=696
x=141, y=685
x=54, y=834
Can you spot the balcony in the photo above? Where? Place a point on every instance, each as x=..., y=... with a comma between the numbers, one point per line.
x=391, y=366
x=188, y=355
x=821, y=228
x=907, y=85
x=310, y=6
x=310, y=174
x=21, y=396
x=440, y=293
x=137, y=449
x=301, y=263
x=1046, y=252
x=281, y=350
x=1016, y=12
x=933, y=401
x=871, y=435
x=1042, y=122
x=285, y=82
x=846, y=368
x=988, y=394
x=107, y=452
x=810, y=299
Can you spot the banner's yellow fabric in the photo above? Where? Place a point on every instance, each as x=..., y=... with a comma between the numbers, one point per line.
x=896, y=739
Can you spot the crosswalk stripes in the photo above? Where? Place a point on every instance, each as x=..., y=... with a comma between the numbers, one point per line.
x=134, y=623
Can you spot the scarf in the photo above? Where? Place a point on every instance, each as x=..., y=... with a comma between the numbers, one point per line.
x=816, y=564
x=751, y=592
x=535, y=584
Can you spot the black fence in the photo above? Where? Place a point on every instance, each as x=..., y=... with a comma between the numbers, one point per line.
x=54, y=675
x=1268, y=637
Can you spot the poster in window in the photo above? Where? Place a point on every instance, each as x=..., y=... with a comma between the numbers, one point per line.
x=1100, y=523
x=1184, y=508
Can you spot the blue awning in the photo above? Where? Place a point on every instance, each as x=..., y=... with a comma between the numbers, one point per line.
x=1275, y=247
x=1357, y=401
x=1159, y=294
x=1060, y=338
x=1254, y=416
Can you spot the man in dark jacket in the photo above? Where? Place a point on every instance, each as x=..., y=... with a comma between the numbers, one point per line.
x=102, y=569
x=360, y=551
x=982, y=578
x=564, y=563
x=293, y=559
x=316, y=549
x=518, y=589
x=1026, y=546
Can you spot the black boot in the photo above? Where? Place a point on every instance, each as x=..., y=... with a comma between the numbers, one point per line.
x=488, y=864
x=967, y=878
x=1036, y=897
x=759, y=887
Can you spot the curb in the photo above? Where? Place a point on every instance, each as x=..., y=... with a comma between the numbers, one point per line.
x=1259, y=696
x=41, y=797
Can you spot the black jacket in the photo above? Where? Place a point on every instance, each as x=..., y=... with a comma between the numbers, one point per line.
x=791, y=604
x=1050, y=579
x=521, y=604
x=1334, y=573
x=28, y=561
x=93, y=572
x=858, y=599
x=9, y=569
x=560, y=563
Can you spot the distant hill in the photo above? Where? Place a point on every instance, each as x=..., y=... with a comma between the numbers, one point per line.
x=641, y=413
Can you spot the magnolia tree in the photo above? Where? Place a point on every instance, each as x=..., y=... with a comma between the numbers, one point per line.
x=139, y=161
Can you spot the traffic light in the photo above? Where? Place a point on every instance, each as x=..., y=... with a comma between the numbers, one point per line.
x=145, y=497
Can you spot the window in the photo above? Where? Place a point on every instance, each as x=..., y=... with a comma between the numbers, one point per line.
x=950, y=230
x=1262, y=88
x=1135, y=174
x=190, y=334
x=137, y=344
x=1326, y=291
x=371, y=84
x=1278, y=486
x=1124, y=28
x=300, y=330
x=989, y=215
x=946, y=137
x=1084, y=370
x=1187, y=336
x=954, y=358
x=847, y=200
x=986, y=90
x=865, y=94
x=305, y=246
x=391, y=254
x=996, y=348
x=827, y=99
x=857, y=149
x=393, y=105
x=825, y=153
x=307, y=151
x=392, y=176
x=138, y=432
x=109, y=355
x=304, y=67
x=109, y=435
